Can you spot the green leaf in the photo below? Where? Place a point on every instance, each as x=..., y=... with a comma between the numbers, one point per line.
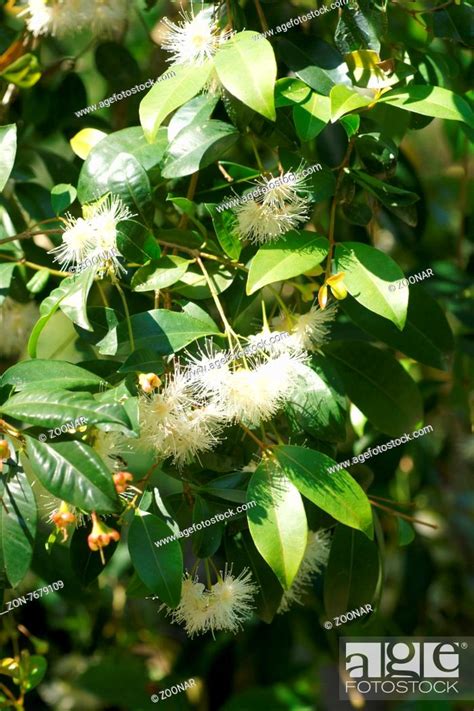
x=52, y=408
x=311, y=116
x=164, y=331
x=23, y=72
x=368, y=275
x=378, y=385
x=7, y=152
x=290, y=256
x=431, y=101
x=38, y=281
x=315, y=62
x=6, y=275
x=73, y=472
x=317, y=402
x=278, y=523
x=224, y=228
x=235, y=64
x=418, y=340
x=166, y=96
x=62, y=196
x=344, y=100
x=388, y=195
x=195, y=111
x=17, y=527
x=34, y=672
x=159, y=567
x=337, y=492
x=207, y=541
x=360, y=26
x=130, y=182
x=194, y=285
x=197, y=146
x=352, y=573
x=160, y=273
x=51, y=374
x=97, y=173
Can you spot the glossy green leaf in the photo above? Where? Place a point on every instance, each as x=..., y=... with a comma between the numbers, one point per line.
x=311, y=116
x=38, y=281
x=6, y=276
x=195, y=111
x=344, y=100
x=62, y=196
x=159, y=567
x=368, y=275
x=388, y=195
x=277, y=523
x=73, y=471
x=52, y=408
x=316, y=62
x=33, y=670
x=235, y=64
x=167, y=95
x=418, y=340
x=7, y=152
x=378, y=385
x=86, y=563
x=317, y=402
x=206, y=541
x=431, y=101
x=160, y=273
x=335, y=492
x=130, y=182
x=51, y=374
x=352, y=573
x=290, y=256
x=224, y=223
x=197, y=146
x=194, y=284
x=164, y=331
x=97, y=172
x=17, y=527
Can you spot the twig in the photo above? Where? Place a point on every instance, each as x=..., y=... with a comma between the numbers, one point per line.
x=400, y=515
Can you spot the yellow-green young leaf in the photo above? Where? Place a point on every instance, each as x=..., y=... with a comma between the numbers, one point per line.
x=343, y=100
x=84, y=141
x=290, y=256
x=431, y=101
x=166, y=96
x=24, y=71
x=278, y=522
x=369, y=274
x=7, y=152
x=335, y=492
x=247, y=68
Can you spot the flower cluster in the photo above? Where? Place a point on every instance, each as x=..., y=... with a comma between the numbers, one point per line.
x=225, y=606
x=187, y=415
x=93, y=237
x=276, y=208
x=63, y=17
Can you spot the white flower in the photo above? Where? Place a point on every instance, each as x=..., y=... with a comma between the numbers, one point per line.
x=264, y=222
x=16, y=323
x=255, y=391
x=106, y=18
x=177, y=424
x=315, y=558
x=92, y=239
x=283, y=190
x=194, y=40
x=311, y=329
x=232, y=600
x=43, y=18
x=112, y=446
x=224, y=607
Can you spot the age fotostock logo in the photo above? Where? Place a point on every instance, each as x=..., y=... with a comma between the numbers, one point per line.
x=390, y=667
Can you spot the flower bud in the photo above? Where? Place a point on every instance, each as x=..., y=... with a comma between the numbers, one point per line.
x=63, y=517
x=323, y=297
x=4, y=449
x=101, y=535
x=121, y=480
x=148, y=382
